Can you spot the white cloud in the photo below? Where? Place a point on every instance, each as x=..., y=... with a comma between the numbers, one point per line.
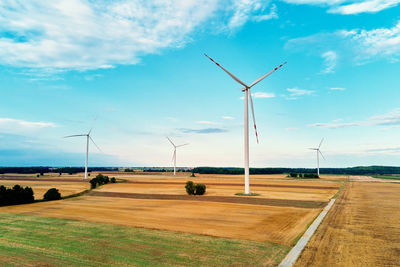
x=263, y=95
x=391, y=119
x=14, y=126
x=330, y=61
x=294, y=92
x=371, y=6
x=271, y=15
x=81, y=35
x=333, y=125
x=206, y=122
x=337, y=88
x=349, y=7
x=228, y=118
x=355, y=45
x=377, y=42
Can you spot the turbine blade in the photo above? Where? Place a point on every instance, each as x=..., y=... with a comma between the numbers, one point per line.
x=95, y=144
x=75, y=135
x=266, y=75
x=170, y=141
x=313, y=148
x=230, y=74
x=320, y=143
x=183, y=145
x=94, y=121
x=321, y=154
x=252, y=112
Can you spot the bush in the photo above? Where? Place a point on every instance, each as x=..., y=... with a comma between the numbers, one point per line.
x=195, y=189
x=192, y=175
x=200, y=189
x=37, y=175
x=52, y=194
x=292, y=174
x=190, y=188
x=113, y=180
x=15, y=195
x=99, y=180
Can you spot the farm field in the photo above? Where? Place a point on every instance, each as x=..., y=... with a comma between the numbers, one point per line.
x=279, y=215
x=362, y=229
x=38, y=241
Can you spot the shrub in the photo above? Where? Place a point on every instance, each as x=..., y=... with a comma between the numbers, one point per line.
x=100, y=179
x=190, y=188
x=200, y=189
x=52, y=194
x=41, y=174
x=192, y=175
x=15, y=195
x=113, y=180
x=37, y=175
x=292, y=174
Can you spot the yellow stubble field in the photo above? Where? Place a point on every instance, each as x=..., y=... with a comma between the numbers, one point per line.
x=285, y=208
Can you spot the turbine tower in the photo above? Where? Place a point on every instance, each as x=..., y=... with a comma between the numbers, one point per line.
x=318, y=152
x=87, y=147
x=174, y=155
x=247, y=95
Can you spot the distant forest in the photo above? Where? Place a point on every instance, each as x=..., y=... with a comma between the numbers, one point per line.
x=70, y=170
x=367, y=170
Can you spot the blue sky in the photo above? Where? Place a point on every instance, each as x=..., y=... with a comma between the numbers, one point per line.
x=139, y=66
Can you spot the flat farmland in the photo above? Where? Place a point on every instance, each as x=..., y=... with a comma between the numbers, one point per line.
x=279, y=215
x=362, y=229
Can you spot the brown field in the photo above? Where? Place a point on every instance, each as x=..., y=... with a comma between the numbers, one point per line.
x=362, y=229
x=282, y=211
x=41, y=187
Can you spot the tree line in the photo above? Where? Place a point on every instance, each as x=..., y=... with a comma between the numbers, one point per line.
x=360, y=170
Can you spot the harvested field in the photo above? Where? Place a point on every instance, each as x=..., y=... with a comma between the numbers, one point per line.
x=242, y=221
x=275, y=191
x=362, y=229
x=224, y=199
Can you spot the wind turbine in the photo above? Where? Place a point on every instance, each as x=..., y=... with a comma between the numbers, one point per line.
x=318, y=152
x=247, y=95
x=174, y=155
x=87, y=146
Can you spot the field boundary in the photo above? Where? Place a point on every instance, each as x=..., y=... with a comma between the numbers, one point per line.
x=295, y=252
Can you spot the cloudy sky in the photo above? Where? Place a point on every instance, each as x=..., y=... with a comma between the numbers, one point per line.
x=139, y=66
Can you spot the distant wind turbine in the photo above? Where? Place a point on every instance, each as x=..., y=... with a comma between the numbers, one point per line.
x=318, y=152
x=87, y=146
x=174, y=155
x=247, y=95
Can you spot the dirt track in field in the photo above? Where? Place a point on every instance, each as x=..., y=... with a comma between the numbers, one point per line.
x=362, y=229
x=237, y=200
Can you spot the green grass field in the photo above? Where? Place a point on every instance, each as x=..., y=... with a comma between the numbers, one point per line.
x=30, y=240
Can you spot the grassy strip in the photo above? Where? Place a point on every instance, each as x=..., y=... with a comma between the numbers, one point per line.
x=342, y=186
x=248, y=195
x=389, y=177
x=31, y=241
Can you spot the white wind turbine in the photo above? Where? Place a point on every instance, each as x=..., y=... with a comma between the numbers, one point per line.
x=247, y=95
x=174, y=156
x=317, y=149
x=87, y=146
